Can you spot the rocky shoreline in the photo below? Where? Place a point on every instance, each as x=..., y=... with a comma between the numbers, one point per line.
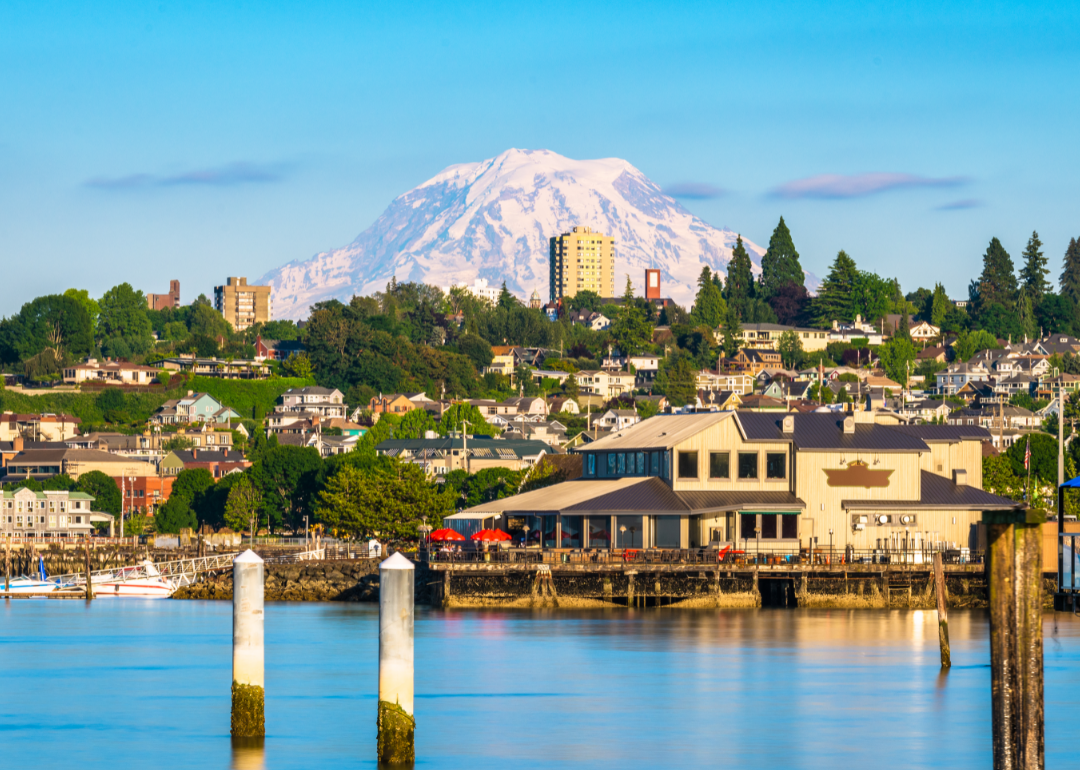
x=325, y=581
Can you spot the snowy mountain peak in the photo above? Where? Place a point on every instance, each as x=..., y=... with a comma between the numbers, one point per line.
x=493, y=219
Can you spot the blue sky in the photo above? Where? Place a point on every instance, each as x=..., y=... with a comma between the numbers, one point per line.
x=148, y=141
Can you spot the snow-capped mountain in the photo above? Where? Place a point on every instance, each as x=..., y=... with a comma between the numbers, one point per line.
x=493, y=219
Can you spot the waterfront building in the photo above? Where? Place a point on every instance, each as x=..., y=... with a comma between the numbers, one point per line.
x=243, y=305
x=582, y=260
x=761, y=480
x=46, y=514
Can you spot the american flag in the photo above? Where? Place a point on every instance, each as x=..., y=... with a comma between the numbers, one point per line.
x=1027, y=455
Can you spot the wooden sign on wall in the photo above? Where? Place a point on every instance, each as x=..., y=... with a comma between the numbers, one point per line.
x=858, y=474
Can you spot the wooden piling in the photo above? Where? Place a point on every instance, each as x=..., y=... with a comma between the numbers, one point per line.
x=7, y=563
x=942, y=611
x=630, y=589
x=89, y=582
x=1014, y=568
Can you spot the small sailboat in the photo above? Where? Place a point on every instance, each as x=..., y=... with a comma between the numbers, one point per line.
x=33, y=585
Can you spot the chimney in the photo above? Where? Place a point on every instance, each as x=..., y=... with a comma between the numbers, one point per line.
x=17, y=444
x=960, y=477
x=849, y=424
x=789, y=423
x=194, y=453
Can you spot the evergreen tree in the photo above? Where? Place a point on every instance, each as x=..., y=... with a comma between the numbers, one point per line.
x=1034, y=272
x=506, y=299
x=780, y=264
x=997, y=284
x=709, y=305
x=740, y=278
x=731, y=332
x=938, y=306
x=836, y=297
x=903, y=328
x=1070, y=274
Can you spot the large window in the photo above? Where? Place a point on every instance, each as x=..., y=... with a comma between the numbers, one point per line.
x=622, y=464
x=611, y=463
x=719, y=465
x=773, y=526
x=775, y=465
x=571, y=531
x=655, y=463
x=668, y=532
x=748, y=526
x=747, y=465
x=641, y=464
x=628, y=532
x=599, y=534
x=688, y=465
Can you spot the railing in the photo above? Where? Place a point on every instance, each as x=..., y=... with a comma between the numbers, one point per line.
x=735, y=556
x=180, y=572
x=251, y=541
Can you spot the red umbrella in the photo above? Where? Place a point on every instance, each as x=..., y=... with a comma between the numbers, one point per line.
x=445, y=535
x=490, y=536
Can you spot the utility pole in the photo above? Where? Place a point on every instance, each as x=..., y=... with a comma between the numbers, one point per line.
x=1061, y=440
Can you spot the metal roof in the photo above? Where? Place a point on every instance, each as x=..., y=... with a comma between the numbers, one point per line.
x=944, y=433
x=816, y=431
x=659, y=432
x=939, y=492
x=634, y=494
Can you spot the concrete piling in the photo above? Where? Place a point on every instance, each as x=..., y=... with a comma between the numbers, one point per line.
x=7, y=563
x=89, y=582
x=942, y=611
x=248, y=695
x=1016, y=638
x=396, y=723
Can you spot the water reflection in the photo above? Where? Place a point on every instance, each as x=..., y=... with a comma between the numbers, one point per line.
x=248, y=754
x=595, y=689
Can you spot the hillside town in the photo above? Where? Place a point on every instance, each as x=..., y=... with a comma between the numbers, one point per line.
x=469, y=387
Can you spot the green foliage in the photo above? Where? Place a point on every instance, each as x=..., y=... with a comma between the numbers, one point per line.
x=103, y=489
x=897, y=355
x=740, y=278
x=790, y=349
x=1070, y=273
x=584, y=300
x=1055, y=314
x=175, y=444
x=176, y=514
x=297, y=365
x=836, y=300
x=1000, y=479
x=286, y=477
x=1033, y=273
x=1043, y=458
x=780, y=265
x=243, y=504
x=477, y=349
x=709, y=306
x=970, y=343
x=937, y=306
x=285, y=331
x=415, y=423
x=677, y=379
x=731, y=333
x=190, y=484
x=123, y=322
x=56, y=323
x=483, y=486
x=631, y=329
x=93, y=309
x=997, y=284
x=389, y=503
x=456, y=417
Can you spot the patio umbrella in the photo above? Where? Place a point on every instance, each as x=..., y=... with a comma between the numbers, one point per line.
x=445, y=535
x=490, y=536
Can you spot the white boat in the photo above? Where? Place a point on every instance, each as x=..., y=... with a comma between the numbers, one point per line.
x=29, y=585
x=143, y=581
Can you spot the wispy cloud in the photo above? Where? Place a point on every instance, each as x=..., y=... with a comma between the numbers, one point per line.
x=966, y=203
x=694, y=190
x=839, y=186
x=221, y=176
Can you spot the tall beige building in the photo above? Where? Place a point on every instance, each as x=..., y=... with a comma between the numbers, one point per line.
x=243, y=305
x=580, y=260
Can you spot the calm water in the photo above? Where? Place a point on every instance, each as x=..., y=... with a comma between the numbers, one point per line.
x=133, y=684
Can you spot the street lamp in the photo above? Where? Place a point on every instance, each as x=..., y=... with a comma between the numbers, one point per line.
x=830, y=547
x=305, y=531
x=622, y=530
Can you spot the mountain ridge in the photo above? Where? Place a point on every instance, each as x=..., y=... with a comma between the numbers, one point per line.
x=492, y=219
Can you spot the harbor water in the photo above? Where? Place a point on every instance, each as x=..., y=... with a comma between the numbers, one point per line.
x=137, y=684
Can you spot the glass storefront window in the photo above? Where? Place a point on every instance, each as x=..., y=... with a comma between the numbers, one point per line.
x=747, y=524
x=571, y=531
x=592, y=465
x=768, y=526
x=622, y=464
x=611, y=463
x=628, y=532
x=655, y=463
x=668, y=532
x=549, y=531
x=599, y=536
x=641, y=463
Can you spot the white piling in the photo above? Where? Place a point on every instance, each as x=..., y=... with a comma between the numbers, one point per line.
x=248, y=719
x=396, y=724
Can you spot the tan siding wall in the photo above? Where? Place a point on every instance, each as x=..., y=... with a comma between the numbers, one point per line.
x=725, y=436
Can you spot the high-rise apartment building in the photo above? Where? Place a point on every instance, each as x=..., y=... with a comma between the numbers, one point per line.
x=582, y=260
x=242, y=305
